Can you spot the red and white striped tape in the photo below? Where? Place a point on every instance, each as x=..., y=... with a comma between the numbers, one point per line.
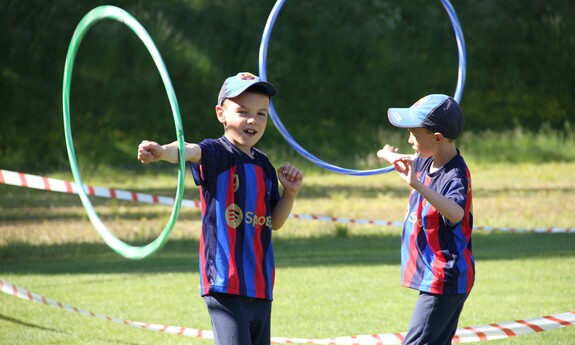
x=55, y=185
x=491, y=331
x=15, y=291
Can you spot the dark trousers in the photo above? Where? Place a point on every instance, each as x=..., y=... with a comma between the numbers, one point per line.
x=434, y=320
x=239, y=320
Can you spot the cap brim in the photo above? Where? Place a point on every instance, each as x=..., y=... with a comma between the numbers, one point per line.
x=404, y=117
x=267, y=87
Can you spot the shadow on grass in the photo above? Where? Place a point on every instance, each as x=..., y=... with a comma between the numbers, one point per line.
x=181, y=255
x=37, y=327
x=27, y=324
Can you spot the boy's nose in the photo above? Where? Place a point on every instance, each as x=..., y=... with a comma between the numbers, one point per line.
x=252, y=120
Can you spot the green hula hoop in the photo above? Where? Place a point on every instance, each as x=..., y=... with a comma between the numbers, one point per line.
x=92, y=17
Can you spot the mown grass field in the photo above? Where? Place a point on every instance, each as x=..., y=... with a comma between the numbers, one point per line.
x=332, y=279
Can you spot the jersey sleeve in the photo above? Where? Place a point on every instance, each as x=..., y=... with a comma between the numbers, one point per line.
x=271, y=172
x=209, y=154
x=275, y=193
x=457, y=190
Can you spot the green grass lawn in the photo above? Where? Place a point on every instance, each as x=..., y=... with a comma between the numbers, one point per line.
x=331, y=279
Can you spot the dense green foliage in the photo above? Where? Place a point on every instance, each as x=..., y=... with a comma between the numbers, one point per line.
x=338, y=66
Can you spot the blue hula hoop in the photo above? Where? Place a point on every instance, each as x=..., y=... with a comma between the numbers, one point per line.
x=302, y=151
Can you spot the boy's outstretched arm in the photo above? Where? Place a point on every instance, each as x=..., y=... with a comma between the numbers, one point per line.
x=151, y=152
x=291, y=179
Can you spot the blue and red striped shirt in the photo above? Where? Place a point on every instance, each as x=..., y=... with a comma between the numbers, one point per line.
x=238, y=194
x=436, y=255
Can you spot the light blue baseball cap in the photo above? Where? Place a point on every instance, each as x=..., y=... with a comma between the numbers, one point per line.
x=237, y=84
x=436, y=112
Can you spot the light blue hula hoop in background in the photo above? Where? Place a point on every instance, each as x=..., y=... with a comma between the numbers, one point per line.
x=91, y=18
x=302, y=151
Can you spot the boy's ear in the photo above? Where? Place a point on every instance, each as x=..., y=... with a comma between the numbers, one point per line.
x=438, y=137
x=220, y=114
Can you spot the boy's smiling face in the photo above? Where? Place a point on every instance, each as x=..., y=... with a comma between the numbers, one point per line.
x=244, y=118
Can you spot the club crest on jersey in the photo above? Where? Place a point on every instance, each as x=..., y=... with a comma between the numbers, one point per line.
x=424, y=203
x=247, y=76
x=236, y=182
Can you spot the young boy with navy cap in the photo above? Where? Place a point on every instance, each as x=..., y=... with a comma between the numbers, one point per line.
x=436, y=255
x=241, y=205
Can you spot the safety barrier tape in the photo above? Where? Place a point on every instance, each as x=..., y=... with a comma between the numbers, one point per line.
x=15, y=291
x=491, y=331
x=55, y=185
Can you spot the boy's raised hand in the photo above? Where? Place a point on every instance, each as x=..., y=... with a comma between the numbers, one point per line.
x=404, y=167
x=149, y=152
x=389, y=153
x=290, y=177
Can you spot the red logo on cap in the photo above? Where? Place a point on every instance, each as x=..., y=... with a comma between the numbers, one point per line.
x=420, y=102
x=247, y=76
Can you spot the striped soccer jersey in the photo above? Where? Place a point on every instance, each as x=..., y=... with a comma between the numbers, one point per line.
x=238, y=194
x=436, y=255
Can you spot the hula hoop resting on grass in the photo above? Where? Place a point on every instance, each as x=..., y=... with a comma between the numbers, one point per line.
x=91, y=18
x=302, y=151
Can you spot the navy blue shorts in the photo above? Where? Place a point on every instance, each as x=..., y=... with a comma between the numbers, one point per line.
x=434, y=320
x=239, y=320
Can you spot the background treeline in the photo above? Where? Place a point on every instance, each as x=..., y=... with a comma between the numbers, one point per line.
x=338, y=66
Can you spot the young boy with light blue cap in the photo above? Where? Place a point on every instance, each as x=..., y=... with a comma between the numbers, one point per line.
x=241, y=205
x=436, y=253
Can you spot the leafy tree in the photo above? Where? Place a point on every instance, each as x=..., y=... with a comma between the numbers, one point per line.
x=338, y=66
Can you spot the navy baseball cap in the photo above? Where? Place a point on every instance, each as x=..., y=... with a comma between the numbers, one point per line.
x=235, y=85
x=438, y=113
